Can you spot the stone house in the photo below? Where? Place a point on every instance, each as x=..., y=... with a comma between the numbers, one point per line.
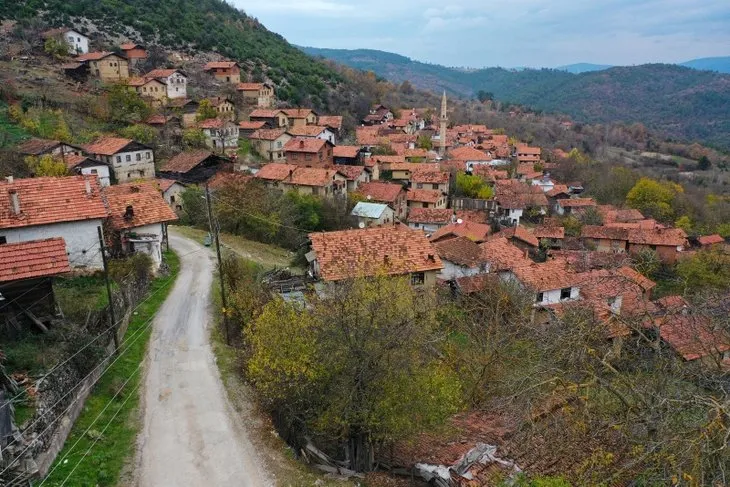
x=373, y=214
x=326, y=183
x=220, y=135
x=70, y=207
x=270, y=143
x=172, y=191
x=313, y=131
x=106, y=66
x=175, y=80
x=224, y=71
x=461, y=258
x=552, y=282
x=88, y=166
x=393, y=195
x=223, y=107
x=128, y=159
x=149, y=88
x=257, y=94
x=355, y=175
x=195, y=166
x=275, y=118
x=300, y=116
x=40, y=147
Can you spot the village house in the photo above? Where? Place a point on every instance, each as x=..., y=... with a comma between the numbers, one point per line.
x=134, y=53
x=195, y=166
x=552, y=282
x=332, y=122
x=327, y=183
x=175, y=80
x=393, y=250
x=544, y=182
x=426, y=198
x=371, y=214
x=476, y=232
x=309, y=152
x=527, y=155
x=138, y=218
x=257, y=94
x=693, y=336
x=437, y=180
x=88, y=166
x=512, y=206
x=247, y=128
x=270, y=143
x=379, y=114
x=188, y=109
x=27, y=270
x=355, y=175
x=550, y=236
x=48, y=207
x=220, y=134
x=501, y=255
x=668, y=243
x=77, y=42
x=275, y=118
x=429, y=220
x=172, y=191
x=300, y=116
x=224, y=71
x=224, y=107
x=520, y=237
x=605, y=239
x=470, y=156
x=128, y=159
x=313, y=131
x=347, y=154
x=461, y=257
x=573, y=206
x=391, y=194
x=149, y=88
x=40, y=147
x=107, y=66
x=711, y=241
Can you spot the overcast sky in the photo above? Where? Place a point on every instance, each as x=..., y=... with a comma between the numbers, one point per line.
x=507, y=33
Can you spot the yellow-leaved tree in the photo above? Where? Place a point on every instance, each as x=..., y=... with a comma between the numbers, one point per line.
x=46, y=165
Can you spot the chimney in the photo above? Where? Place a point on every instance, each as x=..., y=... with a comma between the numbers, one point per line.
x=129, y=213
x=88, y=187
x=431, y=258
x=301, y=144
x=15, y=201
x=9, y=179
x=291, y=174
x=386, y=259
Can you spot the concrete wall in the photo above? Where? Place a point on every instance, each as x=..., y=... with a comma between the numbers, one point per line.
x=110, y=69
x=128, y=166
x=177, y=86
x=101, y=172
x=553, y=296
x=82, y=240
x=77, y=43
x=455, y=271
x=426, y=227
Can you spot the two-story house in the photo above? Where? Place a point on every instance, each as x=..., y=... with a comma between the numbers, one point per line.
x=220, y=135
x=391, y=194
x=300, y=116
x=429, y=220
x=257, y=94
x=151, y=89
x=77, y=42
x=195, y=166
x=326, y=183
x=435, y=180
x=48, y=207
x=552, y=282
x=313, y=131
x=426, y=198
x=223, y=106
x=309, y=152
x=274, y=118
x=461, y=257
x=106, y=66
x=270, y=143
x=128, y=159
x=355, y=175
x=134, y=53
x=224, y=71
x=175, y=80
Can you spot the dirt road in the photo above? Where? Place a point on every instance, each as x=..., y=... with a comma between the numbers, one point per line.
x=189, y=436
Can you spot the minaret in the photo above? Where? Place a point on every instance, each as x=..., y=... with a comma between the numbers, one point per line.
x=444, y=123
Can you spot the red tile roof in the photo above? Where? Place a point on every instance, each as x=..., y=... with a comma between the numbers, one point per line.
x=557, y=189
x=692, y=336
x=163, y=73
x=350, y=172
x=249, y=86
x=267, y=134
x=549, y=231
x=598, y=232
x=674, y=237
x=576, y=202
x=424, y=195
x=635, y=276
x=502, y=255
x=711, y=240
x=37, y=146
x=393, y=250
x=380, y=191
x=219, y=65
x=547, y=276
x=253, y=125
x=469, y=154
x=186, y=161
x=476, y=216
x=331, y=121
x=311, y=176
x=47, y=200
x=519, y=233
x=165, y=184
x=73, y=160
x=306, y=130
x=223, y=179
x=305, y=144
x=108, y=146
x=146, y=201
x=276, y=171
x=35, y=258
x=430, y=215
x=477, y=232
x=461, y=251
x=430, y=177
x=350, y=151
x=94, y=56
x=213, y=123
x=297, y=112
x=128, y=46
x=391, y=159
x=264, y=113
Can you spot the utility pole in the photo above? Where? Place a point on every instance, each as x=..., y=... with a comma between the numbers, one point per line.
x=113, y=325
x=215, y=234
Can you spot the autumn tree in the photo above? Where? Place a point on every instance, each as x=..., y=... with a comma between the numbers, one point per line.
x=206, y=110
x=139, y=132
x=424, y=142
x=706, y=269
x=194, y=138
x=358, y=367
x=126, y=105
x=46, y=165
x=473, y=186
x=654, y=198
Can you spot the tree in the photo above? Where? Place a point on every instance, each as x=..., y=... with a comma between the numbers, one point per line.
x=406, y=88
x=194, y=138
x=125, y=105
x=704, y=163
x=140, y=132
x=58, y=48
x=483, y=96
x=195, y=212
x=46, y=165
x=206, y=111
x=357, y=367
x=706, y=269
x=473, y=187
x=424, y=142
x=383, y=150
x=591, y=216
x=684, y=222
x=654, y=198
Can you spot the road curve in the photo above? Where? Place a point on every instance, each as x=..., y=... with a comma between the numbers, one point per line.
x=190, y=436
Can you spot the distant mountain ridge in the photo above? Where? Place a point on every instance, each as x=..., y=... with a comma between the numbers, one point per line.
x=718, y=64
x=678, y=101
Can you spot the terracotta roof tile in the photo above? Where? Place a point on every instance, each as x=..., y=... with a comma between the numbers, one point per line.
x=146, y=201
x=381, y=191
x=254, y=125
x=331, y=121
x=249, y=86
x=306, y=130
x=268, y=134
x=108, y=146
x=424, y=195
x=165, y=184
x=350, y=172
x=549, y=231
x=350, y=151
x=577, y=202
x=47, y=200
x=430, y=215
x=557, y=189
x=502, y=255
x=393, y=250
x=219, y=65
x=461, y=251
x=186, y=161
x=519, y=233
x=475, y=283
x=430, y=177
x=264, y=113
x=476, y=216
x=218, y=100
x=675, y=237
x=469, y=154
x=276, y=171
x=298, y=112
x=311, y=176
x=94, y=56
x=391, y=159
x=547, y=276
x=305, y=144
x=73, y=160
x=692, y=336
x=604, y=233
x=35, y=258
x=635, y=276
x=475, y=231
x=37, y=146
x=163, y=73
x=224, y=179
x=128, y=46
x=711, y=239
x=213, y=123
x=671, y=304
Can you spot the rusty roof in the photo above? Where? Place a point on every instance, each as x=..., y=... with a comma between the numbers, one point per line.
x=147, y=203
x=48, y=200
x=95, y=56
x=186, y=161
x=392, y=250
x=35, y=258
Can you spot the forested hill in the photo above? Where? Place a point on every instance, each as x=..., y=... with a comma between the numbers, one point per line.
x=211, y=25
x=675, y=100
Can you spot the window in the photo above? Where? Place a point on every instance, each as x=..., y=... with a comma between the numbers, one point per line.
x=435, y=186
x=565, y=293
x=119, y=158
x=419, y=185
x=138, y=156
x=93, y=171
x=3, y=240
x=172, y=198
x=128, y=158
x=278, y=145
x=148, y=155
x=418, y=278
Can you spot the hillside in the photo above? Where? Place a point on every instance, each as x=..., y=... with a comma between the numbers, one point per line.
x=719, y=64
x=207, y=25
x=578, y=68
x=679, y=102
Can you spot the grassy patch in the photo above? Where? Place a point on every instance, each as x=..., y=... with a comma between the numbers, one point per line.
x=268, y=256
x=10, y=133
x=99, y=455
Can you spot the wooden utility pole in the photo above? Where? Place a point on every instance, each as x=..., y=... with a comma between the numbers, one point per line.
x=113, y=320
x=215, y=234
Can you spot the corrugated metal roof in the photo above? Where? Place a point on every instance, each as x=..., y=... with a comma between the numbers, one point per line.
x=369, y=210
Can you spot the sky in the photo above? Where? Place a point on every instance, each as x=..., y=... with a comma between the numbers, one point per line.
x=508, y=33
